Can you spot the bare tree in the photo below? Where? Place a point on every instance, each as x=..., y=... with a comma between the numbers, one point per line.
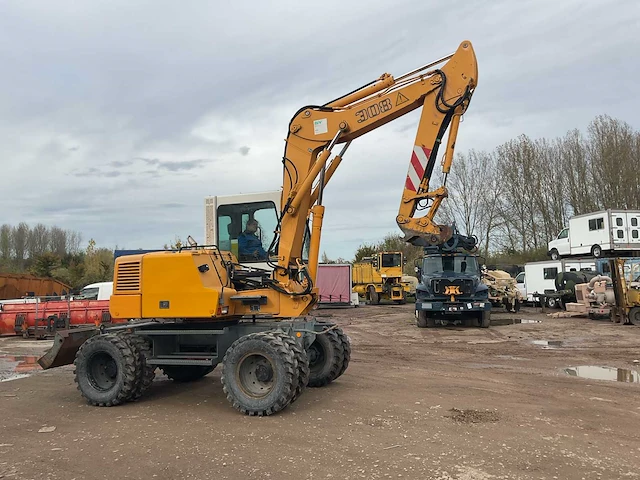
x=579, y=188
x=516, y=169
x=5, y=243
x=73, y=241
x=38, y=240
x=474, y=189
x=20, y=240
x=58, y=241
x=549, y=184
x=614, y=162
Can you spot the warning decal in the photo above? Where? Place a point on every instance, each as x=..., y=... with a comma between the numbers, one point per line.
x=401, y=99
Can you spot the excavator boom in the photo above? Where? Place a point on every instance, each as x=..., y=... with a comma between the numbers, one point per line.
x=442, y=91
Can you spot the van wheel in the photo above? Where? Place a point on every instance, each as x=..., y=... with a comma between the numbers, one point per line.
x=596, y=251
x=555, y=255
x=551, y=302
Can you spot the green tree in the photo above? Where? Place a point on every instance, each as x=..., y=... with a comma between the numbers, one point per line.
x=45, y=264
x=364, y=250
x=175, y=245
x=98, y=264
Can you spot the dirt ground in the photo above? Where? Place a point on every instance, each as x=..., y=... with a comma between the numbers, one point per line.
x=443, y=403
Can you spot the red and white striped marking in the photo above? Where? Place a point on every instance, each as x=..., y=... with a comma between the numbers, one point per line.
x=418, y=165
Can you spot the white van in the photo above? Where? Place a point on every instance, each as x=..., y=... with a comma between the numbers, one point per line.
x=540, y=276
x=96, y=291
x=598, y=232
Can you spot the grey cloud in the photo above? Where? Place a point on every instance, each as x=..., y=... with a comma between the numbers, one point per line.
x=145, y=93
x=174, y=166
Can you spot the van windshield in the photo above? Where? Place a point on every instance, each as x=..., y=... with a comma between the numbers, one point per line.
x=88, y=294
x=460, y=264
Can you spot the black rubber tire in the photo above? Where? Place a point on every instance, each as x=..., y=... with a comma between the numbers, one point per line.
x=596, y=251
x=555, y=255
x=346, y=350
x=551, y=302
x=97, y=355
x=424, y=320
x=146, y=372
x=301, y=363
x=634, y=316
x=516, y=306
x=282, y=358
x=326, y=357
x=485, y=319
x=186, y=373
x=374, y=297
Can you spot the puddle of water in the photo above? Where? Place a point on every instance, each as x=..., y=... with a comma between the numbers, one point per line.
x=604, y=373
x=547, y=343
x=512, y=321
x=17, y=366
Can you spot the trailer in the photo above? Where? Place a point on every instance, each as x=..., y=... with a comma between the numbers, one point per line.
x=41, y=317
x=598, y=233
x=334, y=285
x=539, y=278
x=16, y=285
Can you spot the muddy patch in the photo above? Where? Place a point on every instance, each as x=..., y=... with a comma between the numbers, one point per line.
x=17, y=366
x=473, y=416
x=499, y=322
x=610, y=374
x=548, y=344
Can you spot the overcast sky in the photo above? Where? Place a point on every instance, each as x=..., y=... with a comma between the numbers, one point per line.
x=118, y=118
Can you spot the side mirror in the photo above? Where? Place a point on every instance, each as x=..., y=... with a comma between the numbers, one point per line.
x=418, y=270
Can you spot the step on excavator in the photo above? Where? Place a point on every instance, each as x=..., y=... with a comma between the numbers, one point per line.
x=194, y=308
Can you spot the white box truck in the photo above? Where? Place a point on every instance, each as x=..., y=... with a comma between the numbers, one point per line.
x=598, y=232
x=539, y=277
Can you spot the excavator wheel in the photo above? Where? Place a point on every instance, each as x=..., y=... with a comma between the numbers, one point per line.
x=145, y=373
x=105, y=370
x=302, y=363
x=634, y=316
x=346, y=348
x=259, y=375
x=326, y=358
x=186, y=373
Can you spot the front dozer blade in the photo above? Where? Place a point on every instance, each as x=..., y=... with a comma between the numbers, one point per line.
x=65, y=346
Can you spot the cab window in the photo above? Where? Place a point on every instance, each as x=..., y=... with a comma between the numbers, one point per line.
x=391, y=260
x=232, y=222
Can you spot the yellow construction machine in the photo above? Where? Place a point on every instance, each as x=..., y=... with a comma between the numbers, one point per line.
x=379, y=277
x=194, y=308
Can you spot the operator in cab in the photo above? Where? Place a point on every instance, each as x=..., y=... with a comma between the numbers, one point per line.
x=249, y=245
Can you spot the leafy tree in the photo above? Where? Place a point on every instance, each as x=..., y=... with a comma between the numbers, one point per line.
x=45, y=264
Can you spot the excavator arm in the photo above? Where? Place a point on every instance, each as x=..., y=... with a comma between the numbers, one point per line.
x=443, y=90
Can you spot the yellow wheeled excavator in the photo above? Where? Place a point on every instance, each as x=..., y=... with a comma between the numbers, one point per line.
x=190, y=309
